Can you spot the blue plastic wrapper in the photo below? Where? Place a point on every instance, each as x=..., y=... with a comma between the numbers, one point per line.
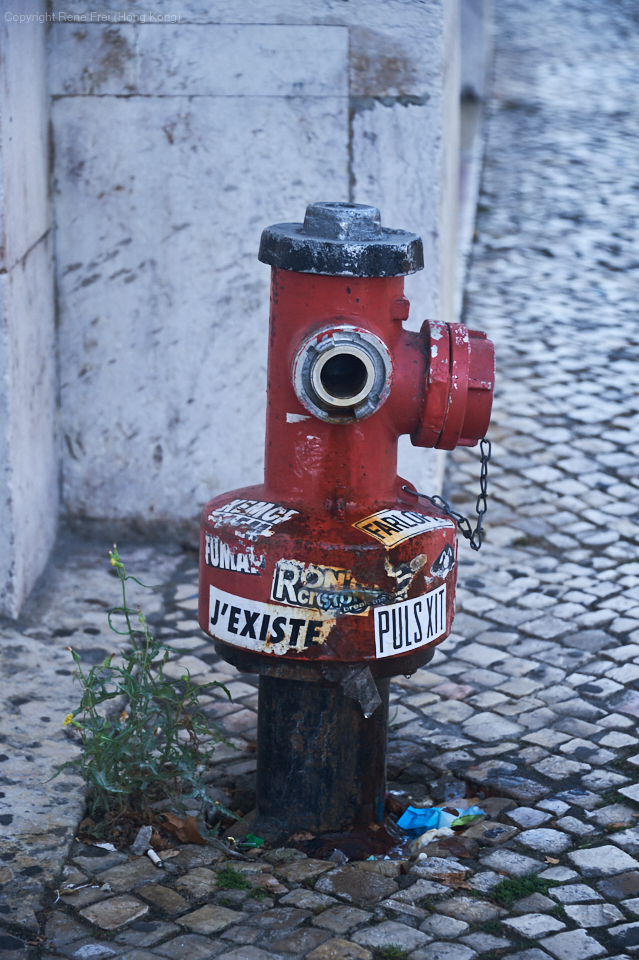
x=416, y=820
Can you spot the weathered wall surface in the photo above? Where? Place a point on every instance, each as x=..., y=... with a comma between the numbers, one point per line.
x=476, y=23
x=28, y=462
x=175, y=144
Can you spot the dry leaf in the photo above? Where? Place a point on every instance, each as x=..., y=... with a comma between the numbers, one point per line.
x=301, y=835
x=551, y=860
x=193, y=835
x=175, y=826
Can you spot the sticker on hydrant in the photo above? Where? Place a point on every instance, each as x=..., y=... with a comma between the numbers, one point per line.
x=330, y=589
x=401, y=627
x=391, y=527
x=251, y=518
x=264, y=627
x=224, y=557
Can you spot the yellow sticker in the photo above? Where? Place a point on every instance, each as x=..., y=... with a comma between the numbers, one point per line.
x=391, y=527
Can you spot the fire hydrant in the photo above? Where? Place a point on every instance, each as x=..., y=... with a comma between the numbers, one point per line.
x=333, y=575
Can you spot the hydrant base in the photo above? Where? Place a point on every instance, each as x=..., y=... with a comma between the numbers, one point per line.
x=321, y=765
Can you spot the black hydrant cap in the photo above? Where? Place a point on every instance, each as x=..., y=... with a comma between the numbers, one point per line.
x=342, y=240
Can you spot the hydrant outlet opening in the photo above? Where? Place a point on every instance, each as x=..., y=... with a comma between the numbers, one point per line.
x=342, y=374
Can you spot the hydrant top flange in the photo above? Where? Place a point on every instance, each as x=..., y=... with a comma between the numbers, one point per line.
x=342, y=240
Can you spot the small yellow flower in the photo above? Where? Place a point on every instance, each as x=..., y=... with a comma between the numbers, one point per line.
x=68, y=719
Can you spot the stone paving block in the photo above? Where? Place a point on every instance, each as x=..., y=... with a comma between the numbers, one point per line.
x=575, y=893
x=631, y=792
x=489, y=834
x=438, y=868
x=605, y=861
x=403, y=912
x=449, y=711
x=307, y=900
x=190, y=946
x=618, y=888
x=83, y=898
x=615, y=814
x=545, y=737
x=192, y=855
x=341, y=919
x=241, y=934
x=146, y=933
x=514, y=864
x=440, y=927
x=625, y=936
x=250, y=953
x=115, y=912
x=127, y=876
x=534, y=925
x=480, y=655
x=580, y=709
x=443, y=951
x=627, y=839
x=535, y=903
x=558, y=768
x=560, y=874
x=338, y=949
x=601, y=780
x=279, y=919
x=88, y=948
x=545, y=841
x=594, y=914
x=356, y=886
x=198, y=883
x=389, y=933
x=137, y=954
x=469, y=909
x=573, y=945
x=575, y=827
x=300, y=941
x=302, y=870
x=485, y=881
x=419, y=891
x=580, y=798
x=485, y=942
x=60, y=928
x=526, y=817
x=165, y=898
x=210, y=919
x=98, y=862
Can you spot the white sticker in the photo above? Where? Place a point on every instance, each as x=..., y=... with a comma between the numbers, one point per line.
x=265, y=627
x=251, y=518
x=225, y=557
x=402, y=627
x=391, y=527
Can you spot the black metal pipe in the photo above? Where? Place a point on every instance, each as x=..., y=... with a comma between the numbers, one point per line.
x=321, y=765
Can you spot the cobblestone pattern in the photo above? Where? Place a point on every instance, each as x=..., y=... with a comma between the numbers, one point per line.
x=532, y=701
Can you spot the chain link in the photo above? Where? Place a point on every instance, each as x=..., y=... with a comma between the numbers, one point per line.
x=475, y=537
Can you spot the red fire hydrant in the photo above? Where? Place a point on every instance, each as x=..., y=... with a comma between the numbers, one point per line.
x=330, y=577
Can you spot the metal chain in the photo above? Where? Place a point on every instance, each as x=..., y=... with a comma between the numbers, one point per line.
x=475, y=537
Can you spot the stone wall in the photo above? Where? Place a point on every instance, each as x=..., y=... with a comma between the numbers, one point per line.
x=175, y=144
x=28, y=461
x=176, y=136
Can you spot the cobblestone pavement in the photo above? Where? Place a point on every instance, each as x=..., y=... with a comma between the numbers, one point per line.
x=532, y=702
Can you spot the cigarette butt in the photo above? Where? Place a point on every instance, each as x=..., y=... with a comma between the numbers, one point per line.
x=153, y=857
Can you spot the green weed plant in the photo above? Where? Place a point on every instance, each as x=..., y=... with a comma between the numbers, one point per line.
x=156, y=748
